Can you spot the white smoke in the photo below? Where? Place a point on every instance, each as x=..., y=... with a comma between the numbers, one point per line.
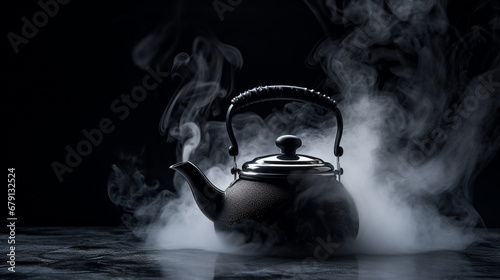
x=410, y=153
x=415, y=125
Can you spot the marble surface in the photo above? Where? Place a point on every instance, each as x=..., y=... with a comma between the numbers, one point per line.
x=114, y=253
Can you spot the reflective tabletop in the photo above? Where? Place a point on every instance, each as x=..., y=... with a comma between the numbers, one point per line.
x=115, y=253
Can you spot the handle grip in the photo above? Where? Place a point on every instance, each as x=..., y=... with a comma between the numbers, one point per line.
x=282, y=92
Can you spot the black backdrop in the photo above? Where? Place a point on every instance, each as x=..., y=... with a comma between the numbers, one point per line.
x=65, y=78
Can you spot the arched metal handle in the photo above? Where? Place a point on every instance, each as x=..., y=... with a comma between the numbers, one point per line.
x=282, y=92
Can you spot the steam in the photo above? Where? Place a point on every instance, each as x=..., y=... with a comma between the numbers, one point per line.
x=416, y=126
x=413, y=136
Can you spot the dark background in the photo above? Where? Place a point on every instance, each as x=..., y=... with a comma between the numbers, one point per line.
x=65, y=78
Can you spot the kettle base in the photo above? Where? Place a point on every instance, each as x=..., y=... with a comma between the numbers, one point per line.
x=313, y=229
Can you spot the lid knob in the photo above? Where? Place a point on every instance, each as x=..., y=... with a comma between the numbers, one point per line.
x=288, y=144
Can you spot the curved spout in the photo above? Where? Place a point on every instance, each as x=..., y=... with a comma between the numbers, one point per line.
x=208, y=197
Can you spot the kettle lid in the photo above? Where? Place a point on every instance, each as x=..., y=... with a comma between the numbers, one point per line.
x=287, y=163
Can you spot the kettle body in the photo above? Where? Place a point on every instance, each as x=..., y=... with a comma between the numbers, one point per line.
x=294, y=215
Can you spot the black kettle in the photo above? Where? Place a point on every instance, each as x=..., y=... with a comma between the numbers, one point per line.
x=286, y=200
